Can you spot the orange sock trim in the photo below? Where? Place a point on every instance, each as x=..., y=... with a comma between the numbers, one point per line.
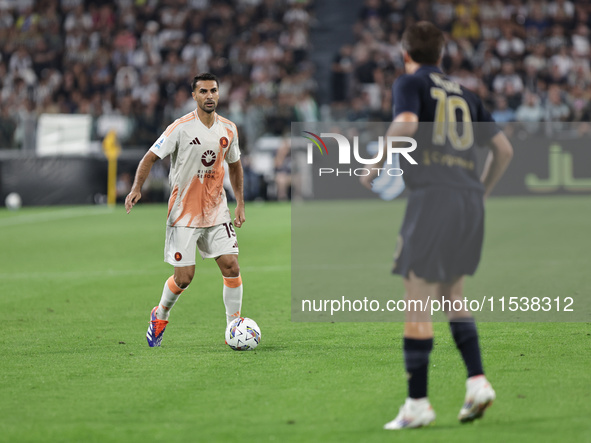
x=233, y=282
x=174, y=288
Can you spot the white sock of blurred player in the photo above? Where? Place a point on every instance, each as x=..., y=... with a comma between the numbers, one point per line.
x=232, y=297
x=170, y=294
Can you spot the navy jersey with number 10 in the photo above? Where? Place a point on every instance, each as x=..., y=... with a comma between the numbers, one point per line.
x=447, y=137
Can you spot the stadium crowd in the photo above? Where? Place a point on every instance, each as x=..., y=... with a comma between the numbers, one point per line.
x=128, y=63
x=131, y=61
x=528, y=60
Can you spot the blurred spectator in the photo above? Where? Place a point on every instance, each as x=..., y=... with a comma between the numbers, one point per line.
x=562, y=10
x=580, y=40
x=557, y=39
x=509, y=45
x=7, y=128
x=556, y=110
x=530, y=112
x=562, y=62
x=512, y=96
x=26, y=133
x=197, y=53
x=537, y=19
x=503, y=113
x=507, y=75
x=306, y=108
x=147, y=123
x=283, y=170
x=78, y=18
x=21, y=64
x=359, y=109
x=537, y=58
x=578, y=102
x=342, y=69
x=466, y=27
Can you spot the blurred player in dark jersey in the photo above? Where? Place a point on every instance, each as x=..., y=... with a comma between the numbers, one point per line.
x=441, y=236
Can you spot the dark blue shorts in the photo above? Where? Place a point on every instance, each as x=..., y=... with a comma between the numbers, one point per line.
x=441, y=235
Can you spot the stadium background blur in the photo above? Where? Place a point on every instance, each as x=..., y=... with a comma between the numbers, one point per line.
x=128, y=64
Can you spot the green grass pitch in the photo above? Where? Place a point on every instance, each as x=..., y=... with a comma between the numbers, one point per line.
x=77, y=285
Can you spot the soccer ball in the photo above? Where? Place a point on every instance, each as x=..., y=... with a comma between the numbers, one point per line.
x=243, y=334
x=13, y=201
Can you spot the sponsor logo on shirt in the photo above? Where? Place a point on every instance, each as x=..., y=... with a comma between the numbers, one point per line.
x=208, y=158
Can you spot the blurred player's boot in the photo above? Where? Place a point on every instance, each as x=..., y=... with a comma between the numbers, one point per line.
x=156, y=329
x=414, y=413
x=479, y=396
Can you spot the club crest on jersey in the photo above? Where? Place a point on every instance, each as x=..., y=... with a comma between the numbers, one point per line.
x=208, y=158
x=178, y=256
x=224, y=142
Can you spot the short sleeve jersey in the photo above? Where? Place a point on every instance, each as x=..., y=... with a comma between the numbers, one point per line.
x=443, y=157
x=197, y=198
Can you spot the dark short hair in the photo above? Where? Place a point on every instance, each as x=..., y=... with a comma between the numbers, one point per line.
x=423, y=42
x=204, y=76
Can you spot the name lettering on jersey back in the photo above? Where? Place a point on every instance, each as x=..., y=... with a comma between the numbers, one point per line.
x=447, y=85
x=436, y=157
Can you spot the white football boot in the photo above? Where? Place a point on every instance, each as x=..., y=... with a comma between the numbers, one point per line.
x=479, y=396
x=414, y=413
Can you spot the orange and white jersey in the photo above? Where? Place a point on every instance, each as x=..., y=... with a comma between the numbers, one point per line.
x=197, y=198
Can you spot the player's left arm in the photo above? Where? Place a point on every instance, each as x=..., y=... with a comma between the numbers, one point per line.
x=500, y=155
x=237, y=182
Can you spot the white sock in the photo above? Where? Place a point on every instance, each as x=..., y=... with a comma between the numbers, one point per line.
x=170, y=295
x=232, y=297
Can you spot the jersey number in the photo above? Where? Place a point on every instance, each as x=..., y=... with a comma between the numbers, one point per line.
x=446, y=122
x=229, y=230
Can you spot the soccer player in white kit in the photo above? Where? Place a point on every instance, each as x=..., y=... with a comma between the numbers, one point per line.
x=198, y=214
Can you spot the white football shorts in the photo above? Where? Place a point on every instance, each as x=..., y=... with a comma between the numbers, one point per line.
x=182, y=242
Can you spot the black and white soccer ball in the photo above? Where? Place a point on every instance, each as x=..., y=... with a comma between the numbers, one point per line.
x=243, y=334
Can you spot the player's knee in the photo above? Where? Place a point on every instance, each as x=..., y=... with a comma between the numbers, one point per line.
x=231, y=269
x=184, y=283
x=234, y=270
x=183, y=280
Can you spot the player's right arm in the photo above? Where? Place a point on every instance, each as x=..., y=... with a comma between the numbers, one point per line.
x=404, y=125
x=166, y=145
x=143, y=170
x=407, y=105
x=497, y=161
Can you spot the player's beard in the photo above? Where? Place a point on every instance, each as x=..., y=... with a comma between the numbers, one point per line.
x=209, y=110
